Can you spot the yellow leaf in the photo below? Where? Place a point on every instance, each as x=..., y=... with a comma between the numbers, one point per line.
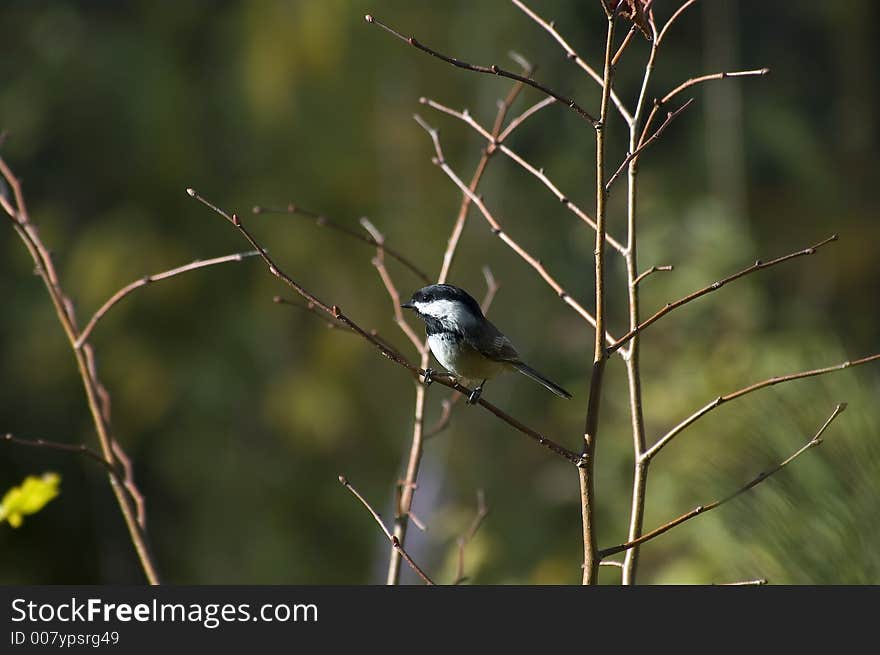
x=28, y=498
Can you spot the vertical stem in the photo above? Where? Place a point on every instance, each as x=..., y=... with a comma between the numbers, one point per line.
x=46, y=270
x=401, y=519
x=633, y=372
x=585, y=472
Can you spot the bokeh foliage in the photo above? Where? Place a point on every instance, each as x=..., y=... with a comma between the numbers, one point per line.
x=239, y=414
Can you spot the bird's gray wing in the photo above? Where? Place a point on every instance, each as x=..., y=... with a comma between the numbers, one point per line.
x=493, y=344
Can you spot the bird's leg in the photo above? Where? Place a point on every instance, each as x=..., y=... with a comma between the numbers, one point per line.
x=429, y=377
x=475, y=394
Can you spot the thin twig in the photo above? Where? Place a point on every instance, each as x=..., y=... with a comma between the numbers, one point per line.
x=647, y=142
x=465, y=539
x=379, y=263
x=760, y=72
x=80, y=449
x=321, y=220
x=445, y=417
x=769, y=382
x=148, y=279
x=513, y=155
x=491, y=70
x=633, y=352
x=651, y=271
x=311, y=309
x=571, y=55
x=701, y=509
x=128, y=480
x=528, y=113
x=757, y=266
x=624, y=44
x=330, y=324
x=586, y=474
x=659, y=39
x=395, y=542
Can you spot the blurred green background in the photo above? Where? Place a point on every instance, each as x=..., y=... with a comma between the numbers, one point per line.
x=239, y=414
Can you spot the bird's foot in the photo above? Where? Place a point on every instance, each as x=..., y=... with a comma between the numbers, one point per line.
x=428, y=377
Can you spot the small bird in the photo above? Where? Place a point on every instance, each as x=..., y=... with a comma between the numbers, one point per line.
x=465, y=342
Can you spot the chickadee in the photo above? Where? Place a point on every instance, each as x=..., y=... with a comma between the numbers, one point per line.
x=464, y=342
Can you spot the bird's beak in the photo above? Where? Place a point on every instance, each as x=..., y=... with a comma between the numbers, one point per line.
x=408, y=305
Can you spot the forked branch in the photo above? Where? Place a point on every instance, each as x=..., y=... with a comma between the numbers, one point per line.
x=701, y=509
x=658, y=104
x=149, y=279
x=646, y=143
x=513, y=155
x=571, y=55
x=769, y=382
x=754, y=268
x=130, y=504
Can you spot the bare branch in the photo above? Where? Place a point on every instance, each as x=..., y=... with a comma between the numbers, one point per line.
x=148, y=279
x=491, y=70
x=321, y=220
x=672, y=20
x=331, y=324
x=492, y=287
x=536, y=172
x=769, y=382
x=445, y=417
x=311, y=309
x=632, y=155
x=379, y=263
x=651, y=271
x=586, y=477
x=624, y=45
x=757, y=266
x=760, y=72
x=127, y=479
x=571, y=55
x=395, y=542
x=80, y=449
x=701, y=509
x=519, y=120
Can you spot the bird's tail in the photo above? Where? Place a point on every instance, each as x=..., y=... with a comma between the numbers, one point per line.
x=528, y=371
